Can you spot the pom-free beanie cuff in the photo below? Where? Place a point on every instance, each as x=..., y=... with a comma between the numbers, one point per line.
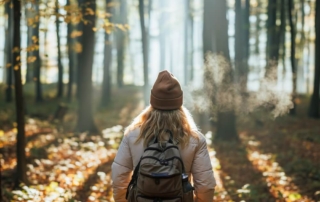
x=166, y=104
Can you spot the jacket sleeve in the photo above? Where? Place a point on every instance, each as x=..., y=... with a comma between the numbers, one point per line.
x=121, y=171
x=202, y=173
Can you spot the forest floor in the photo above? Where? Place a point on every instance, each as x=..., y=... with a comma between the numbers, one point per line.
x=275, y=160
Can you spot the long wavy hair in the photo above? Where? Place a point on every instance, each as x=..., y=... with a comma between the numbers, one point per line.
x=154, y=122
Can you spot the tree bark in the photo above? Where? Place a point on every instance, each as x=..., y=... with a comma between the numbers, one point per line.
x=10, y=60
x=29, y=14
x=37, y=63
x=106, y=83
x=162, y=37
x=292, y=58
x=72, y=55
x=21, y=176
x=85, y=115
x=208, y=27
x=80, y=27
x=226, y=120
x=272, y=39
x=60, y=67
x=121, y=18
x=314, y=104
x=144, y=39
x=186, y=42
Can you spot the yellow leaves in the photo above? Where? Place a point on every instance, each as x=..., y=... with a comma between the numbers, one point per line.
x=1, y=133
x=34, y=39
x=89, y=11
x=52, y=187
x=75, y=34
x=77, y=47
x=123, y=27
x=16, y=50
x=108, y=27
x=8, y=65
x=17, y=58
x=31, y=59
x=16, y=67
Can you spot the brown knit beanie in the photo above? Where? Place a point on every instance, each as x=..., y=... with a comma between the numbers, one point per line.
x=166, y=93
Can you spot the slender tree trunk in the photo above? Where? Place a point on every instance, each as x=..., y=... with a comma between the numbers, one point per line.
x=314, y=104
x=208, y=27
x=72, y=57
x=106, y=83
x=191, y=41
x=303, y=14
x=80, y=27
x=21, y=176
x=144, y=39
x=226, y=123
x=239, y=43
x=186, y=42
x=85, y=115
x=292, y=58
x=258, y=28
x=60, y=67
x=9, y=47
x=37, y=63
x=162, y=37
x=283, y=33
x=29, y=14
x=121, y=17
x=272, y=40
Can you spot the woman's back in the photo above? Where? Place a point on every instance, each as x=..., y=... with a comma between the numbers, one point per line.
x=165, y=113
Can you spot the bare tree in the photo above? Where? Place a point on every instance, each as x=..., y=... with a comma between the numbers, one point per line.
x=218, y=44
x=106, y=83
x=21, y=176
x=293, y=53
x=60, y=67
x=9, y=48
x=85, y=117
x=144, y=36
x=314, y=104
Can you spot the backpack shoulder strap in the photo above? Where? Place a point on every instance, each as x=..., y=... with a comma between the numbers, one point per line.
x=133, y=178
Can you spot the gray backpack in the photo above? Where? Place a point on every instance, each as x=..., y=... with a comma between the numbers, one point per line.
x=160, y=175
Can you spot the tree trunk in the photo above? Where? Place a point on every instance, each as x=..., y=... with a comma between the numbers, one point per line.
x=208, y=43
x=85, y=115
x=272, y=40
x=72, y=55
x=121, y=18
x=314, y=104
x=37, y=63
x=283, y=34
x=191, y=42
x=106, y=83
x=239, y=44
x=162, y=37
x=226, y=123
x=186, y=42
x=60, y=67
x=292, y=58
x=80, y=27
x=9, y=47
x=258, y=28
x=29, y=15
x=144, y=39
x=21, y=176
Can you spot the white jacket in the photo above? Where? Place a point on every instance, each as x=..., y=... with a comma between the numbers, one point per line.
x=194, y=155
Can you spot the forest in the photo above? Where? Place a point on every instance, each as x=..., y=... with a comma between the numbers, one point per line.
x=75, y=73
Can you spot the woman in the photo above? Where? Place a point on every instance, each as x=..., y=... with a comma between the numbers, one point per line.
x=165, y=112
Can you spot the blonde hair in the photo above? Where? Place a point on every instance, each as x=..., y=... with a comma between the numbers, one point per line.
x=154, y=122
